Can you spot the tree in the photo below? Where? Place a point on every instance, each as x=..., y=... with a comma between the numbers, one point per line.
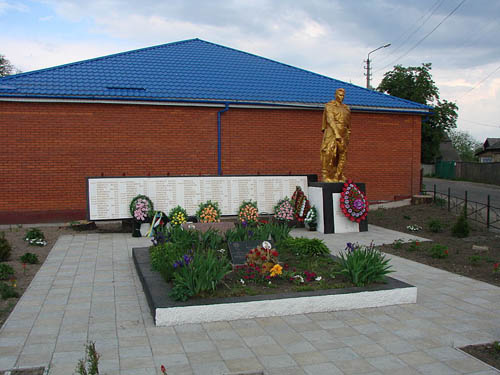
x=465, y=144
x=415, y=83
x=6, y=68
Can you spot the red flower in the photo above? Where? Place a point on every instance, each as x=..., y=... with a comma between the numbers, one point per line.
x=263, y=257
x=163, y=370
x=495, y=266
x=446, y=252
x=274, y=253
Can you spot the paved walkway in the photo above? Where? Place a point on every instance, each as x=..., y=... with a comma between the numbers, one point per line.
x=87, y=289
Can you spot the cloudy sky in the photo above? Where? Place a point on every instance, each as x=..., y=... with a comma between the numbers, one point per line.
x=330, y=37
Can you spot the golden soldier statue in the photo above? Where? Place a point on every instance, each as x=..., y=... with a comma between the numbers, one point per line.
x=336, y=131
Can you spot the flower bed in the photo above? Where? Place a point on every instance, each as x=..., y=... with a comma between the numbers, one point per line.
x=168, y=312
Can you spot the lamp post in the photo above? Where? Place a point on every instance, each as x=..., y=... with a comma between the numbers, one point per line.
x=368, y=73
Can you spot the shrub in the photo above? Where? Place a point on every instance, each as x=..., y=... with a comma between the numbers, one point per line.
x=474, y=259
x=438, y=251
x=413, y=246
x=304, y=247
x=435, y=226
x=5, y=248
x=35, y=237
x=461, y=227
x=202, y=274
x=211, y=239
x=397, y=244
x=364, y=264
x=5, y=271
x=439, y=202
x=187, y=239
x=7, y=291
x=29, y=258
x=279, y=231
x=163, y=258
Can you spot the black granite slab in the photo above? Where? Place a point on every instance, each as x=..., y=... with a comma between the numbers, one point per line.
x=157, y=290
x=239, y=250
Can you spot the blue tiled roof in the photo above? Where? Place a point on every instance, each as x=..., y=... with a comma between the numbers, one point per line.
x=191, y=70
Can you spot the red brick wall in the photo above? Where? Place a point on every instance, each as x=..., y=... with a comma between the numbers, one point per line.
x=48, y=149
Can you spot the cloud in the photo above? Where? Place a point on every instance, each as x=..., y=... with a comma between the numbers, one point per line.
x=6, y=6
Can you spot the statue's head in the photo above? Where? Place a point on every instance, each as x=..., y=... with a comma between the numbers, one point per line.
x=339, y=94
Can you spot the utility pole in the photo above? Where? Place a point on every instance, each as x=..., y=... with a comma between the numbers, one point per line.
x=368, y=73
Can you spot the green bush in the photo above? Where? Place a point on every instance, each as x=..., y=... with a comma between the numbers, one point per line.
x=397, y=244
x=7, y=291
x=29, y=258
x=187, y=239
x=211, y=239
x=364, y=264
x=202, y=274
x=438, y=251
x=461, y=227
x=475, y=259
x=439, y=202
x=279, y=231
x=163, y=258
x=304, y=247
x=35, y=237
x=5, y=248
x=435, y=226
x=5, y=271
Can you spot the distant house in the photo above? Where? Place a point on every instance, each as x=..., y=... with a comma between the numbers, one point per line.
x=187, y=108
x=490, y=152
x=447, y=151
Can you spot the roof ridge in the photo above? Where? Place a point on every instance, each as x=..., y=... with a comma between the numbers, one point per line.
x=95, y=59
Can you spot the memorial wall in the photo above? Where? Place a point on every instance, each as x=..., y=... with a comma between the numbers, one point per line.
x=109, y=198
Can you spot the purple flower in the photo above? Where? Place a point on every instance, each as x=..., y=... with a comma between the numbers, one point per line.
x=358, y=204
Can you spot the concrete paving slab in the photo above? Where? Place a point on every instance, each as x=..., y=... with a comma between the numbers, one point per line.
x=88, y=289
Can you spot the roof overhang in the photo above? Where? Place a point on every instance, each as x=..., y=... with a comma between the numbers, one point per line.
x=210, y=103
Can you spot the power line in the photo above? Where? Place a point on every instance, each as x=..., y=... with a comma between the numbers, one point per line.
x=425, y=37
x=479, y=83
x=427, y=16
x=481, y=123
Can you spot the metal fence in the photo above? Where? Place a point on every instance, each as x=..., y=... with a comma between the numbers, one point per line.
x=480, y=212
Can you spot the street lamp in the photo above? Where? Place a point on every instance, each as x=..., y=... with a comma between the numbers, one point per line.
x=368, y=73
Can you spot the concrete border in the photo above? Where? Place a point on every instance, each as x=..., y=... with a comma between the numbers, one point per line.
x=168, y=312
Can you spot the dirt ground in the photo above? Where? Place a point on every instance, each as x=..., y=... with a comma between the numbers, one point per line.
x=461, y=259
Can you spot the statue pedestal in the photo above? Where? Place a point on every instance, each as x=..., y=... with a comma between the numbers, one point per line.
x=326, y=197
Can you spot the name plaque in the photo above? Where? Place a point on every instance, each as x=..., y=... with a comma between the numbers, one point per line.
x=108, y=198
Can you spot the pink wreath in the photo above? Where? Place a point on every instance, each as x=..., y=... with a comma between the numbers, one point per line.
x=353, y=202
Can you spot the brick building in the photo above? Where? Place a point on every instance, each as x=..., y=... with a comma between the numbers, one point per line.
x=186, y=108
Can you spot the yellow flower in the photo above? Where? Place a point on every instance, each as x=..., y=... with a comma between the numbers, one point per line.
x=276, y=270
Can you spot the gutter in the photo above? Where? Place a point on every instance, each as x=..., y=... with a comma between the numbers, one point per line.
x=219, y=138
x=213, y=103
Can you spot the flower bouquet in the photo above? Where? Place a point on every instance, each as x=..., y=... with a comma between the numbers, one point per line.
x=248, y=213
x=177, y=216
x=141, y=209
x=311, y=219
x=283, y=211
x=301, y=205
x=208, y=212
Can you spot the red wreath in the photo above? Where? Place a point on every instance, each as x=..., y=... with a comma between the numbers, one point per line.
x=353, y=202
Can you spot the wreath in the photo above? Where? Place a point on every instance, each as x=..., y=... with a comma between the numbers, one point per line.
x=208, y=212
x=141, y=208
x=248, y=212
x=177, y=216
x=301, y=204
x=283, y=211
x=353, y=202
